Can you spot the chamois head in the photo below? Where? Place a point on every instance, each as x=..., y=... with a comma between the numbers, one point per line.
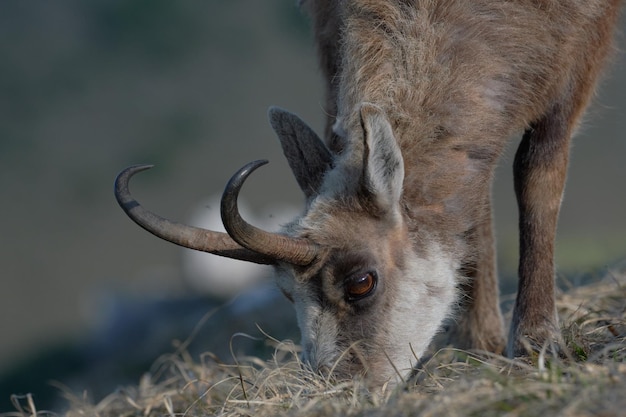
x=368, y=296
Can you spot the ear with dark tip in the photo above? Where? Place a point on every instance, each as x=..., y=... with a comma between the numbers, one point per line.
x=383, y=170
x=306, y=153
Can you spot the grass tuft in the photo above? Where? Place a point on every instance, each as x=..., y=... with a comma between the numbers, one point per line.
x=588, y=379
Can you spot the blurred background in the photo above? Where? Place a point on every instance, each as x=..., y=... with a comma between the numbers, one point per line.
x=88, y=88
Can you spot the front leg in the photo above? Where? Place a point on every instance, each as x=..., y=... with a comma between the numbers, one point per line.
x=539, y=172
x=479, y=324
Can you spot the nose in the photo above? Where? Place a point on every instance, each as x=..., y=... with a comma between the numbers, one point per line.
x=311, y=361
x=307, y=356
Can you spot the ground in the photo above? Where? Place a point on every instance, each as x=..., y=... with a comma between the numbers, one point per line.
x=588, y=379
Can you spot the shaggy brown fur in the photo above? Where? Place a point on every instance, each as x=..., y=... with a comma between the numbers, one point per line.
x=457, y=79
x=422, y=96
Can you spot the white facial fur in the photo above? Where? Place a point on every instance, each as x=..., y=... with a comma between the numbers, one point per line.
x=425, y=301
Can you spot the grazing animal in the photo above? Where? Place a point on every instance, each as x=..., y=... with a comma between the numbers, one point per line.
x=421, y=98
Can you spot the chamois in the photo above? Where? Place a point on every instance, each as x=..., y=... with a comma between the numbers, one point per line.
x=421, y=96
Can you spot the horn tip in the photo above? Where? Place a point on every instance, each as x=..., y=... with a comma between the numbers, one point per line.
x=139, y=168
x=122, y=194
x=132, y=170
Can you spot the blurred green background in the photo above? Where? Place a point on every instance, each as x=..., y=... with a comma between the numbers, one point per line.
x=90, y=87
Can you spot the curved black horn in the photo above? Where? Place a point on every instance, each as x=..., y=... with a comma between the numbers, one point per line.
x=295, y=251
x=188, y=236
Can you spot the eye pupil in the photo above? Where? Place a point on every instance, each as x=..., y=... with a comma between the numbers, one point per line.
x=360, y=286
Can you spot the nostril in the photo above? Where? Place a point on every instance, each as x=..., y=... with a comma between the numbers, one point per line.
x=304, y=359
x=306, y=355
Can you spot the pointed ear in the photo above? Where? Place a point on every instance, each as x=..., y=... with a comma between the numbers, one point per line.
x=383, y=169
x=306, y=153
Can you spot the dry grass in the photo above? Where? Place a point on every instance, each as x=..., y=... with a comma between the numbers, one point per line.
x=589, y=380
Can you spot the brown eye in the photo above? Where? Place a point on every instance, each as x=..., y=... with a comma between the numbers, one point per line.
x=360, y=286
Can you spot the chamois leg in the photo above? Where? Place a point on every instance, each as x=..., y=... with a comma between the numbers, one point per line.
x=539, y=174
x=480, y=325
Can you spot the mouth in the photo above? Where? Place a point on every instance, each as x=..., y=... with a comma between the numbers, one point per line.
x=347, y=365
